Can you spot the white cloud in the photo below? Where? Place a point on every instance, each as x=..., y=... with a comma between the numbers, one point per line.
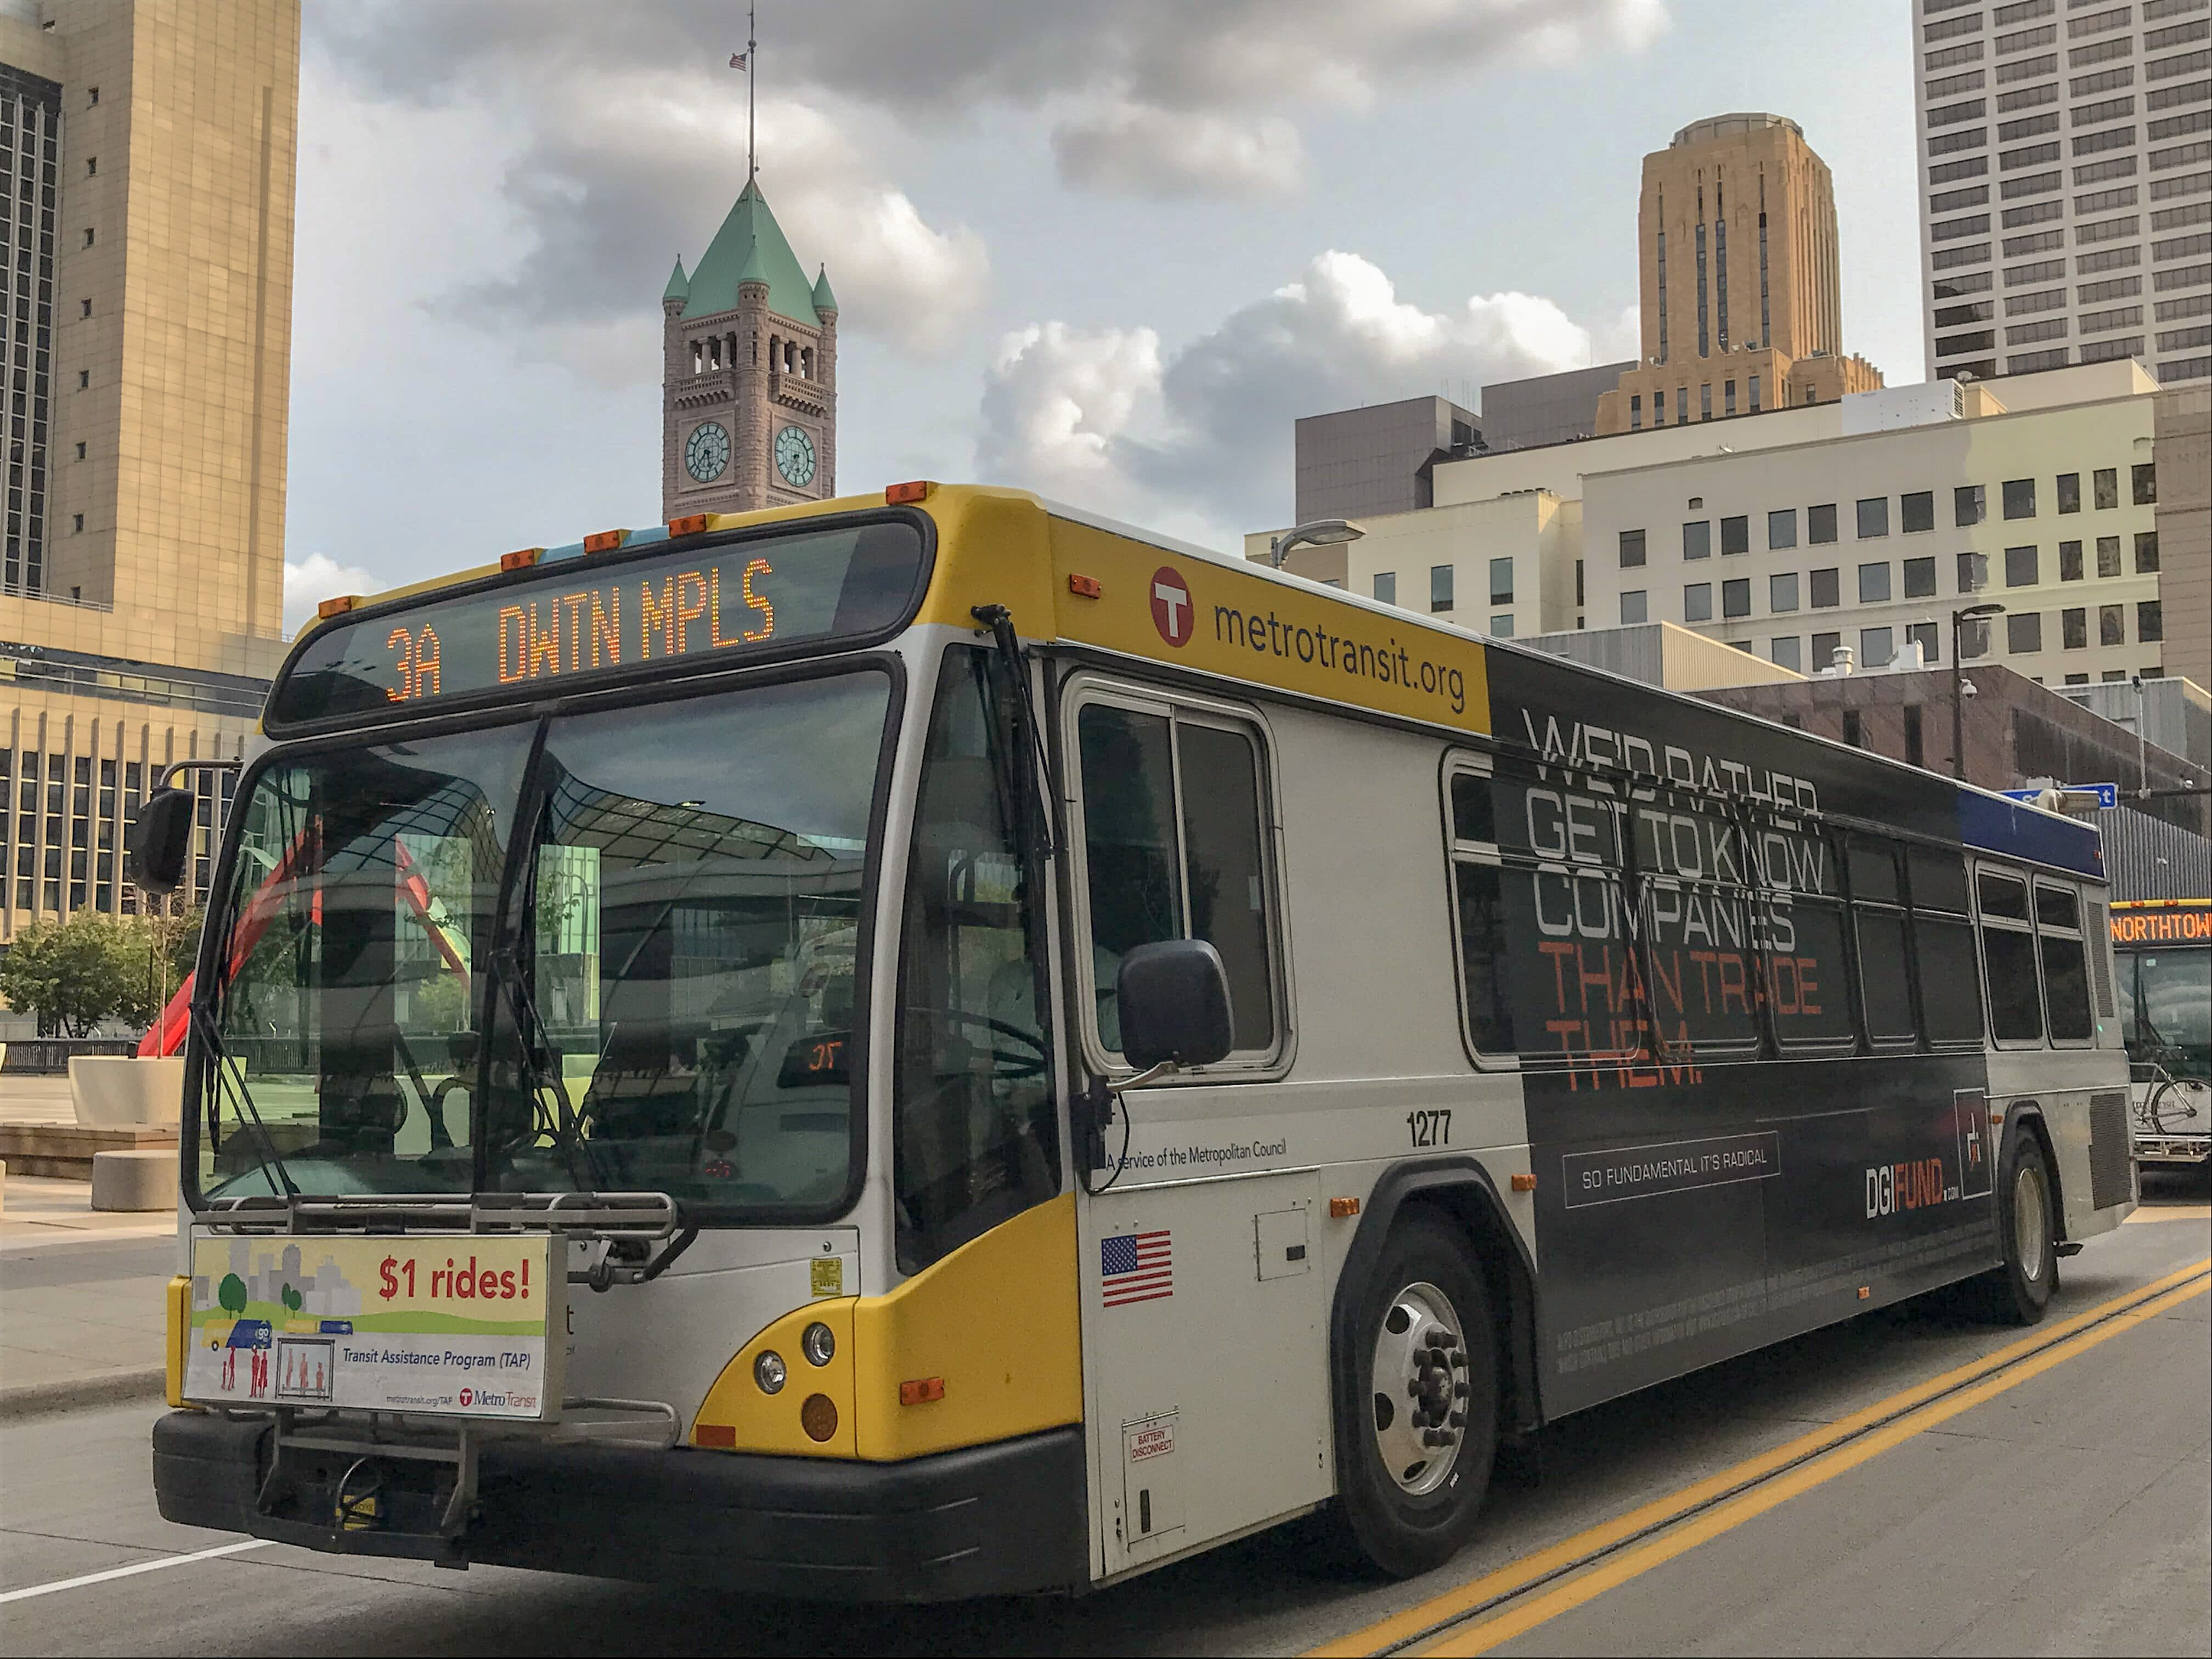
x=309, y=582
x=1200, y=441
x=1141, y=149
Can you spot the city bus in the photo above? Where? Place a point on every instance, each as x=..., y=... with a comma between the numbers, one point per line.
x=2162, y=949
x=935, y=1044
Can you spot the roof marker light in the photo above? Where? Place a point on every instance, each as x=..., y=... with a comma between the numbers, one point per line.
x=338, y=606
x=522, y=559
x=903, y=494
x=605, y=541
x=692, y=524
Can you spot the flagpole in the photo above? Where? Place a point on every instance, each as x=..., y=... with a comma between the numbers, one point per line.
x=752, y=80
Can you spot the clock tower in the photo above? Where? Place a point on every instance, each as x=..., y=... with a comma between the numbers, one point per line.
x=749, y=387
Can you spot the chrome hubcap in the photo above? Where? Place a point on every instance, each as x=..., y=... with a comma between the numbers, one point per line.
x=2030, y=1221
x=1418, y=1389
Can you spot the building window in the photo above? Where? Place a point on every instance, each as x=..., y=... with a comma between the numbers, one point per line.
x=83, y=379
x=1918, y=511
x=1705, y=402
x=1820, y=524
x=2020, y=498
x=2144, y=477
x=2150, y=623
x=1763, y=338
x=1697, y=602
x=1633, y=608
x=2074, y=629
x=2112, y=624
x=1914, y=754
x=2024, y=633
x=80, y=451
x=1927, y=637
x=1440, y=587
x=1579, y=600
x=1736, y=536
x=1697, y=539
x=1853, y=732
x=92, y=166
x=1636, y=412
x=2108, y=556
x=1825, y=646
x=1874, y=647
x=2070, y=561
x=76, y=523
x=1920, y=578
x=1501, y=582
x=1631, y=549
x=1386, y=586
x=2105, y=483
x=1754, y=394
x=1658, y=400
x=2023, y=567
x=1782, y=528
x=1735, y=597
x=2145, y=552
x=1781, y=591
x=1720, y=262
x=1874, y=584
x=1788, y=653
x=2077, y=679
x=84, y=307
x=1828, y=588
x=1728, y=393
x=1973, y=572
x=1704, y=341
x=1874, y=517
x=1968, y=506
x=1681, y=405
x=89, y=236
x=2069, y=492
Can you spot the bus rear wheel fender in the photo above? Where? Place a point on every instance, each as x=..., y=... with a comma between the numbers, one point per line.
x=1418, y=1427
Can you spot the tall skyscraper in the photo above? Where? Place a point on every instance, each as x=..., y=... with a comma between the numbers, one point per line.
x=749, y=384
x=1742, y=305
x=2066, y=195
x=147, y=150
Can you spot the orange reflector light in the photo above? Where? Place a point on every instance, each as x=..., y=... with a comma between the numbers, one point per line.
x=1085, y=587
x=692, y=524
x=338, y=606
x=1866, y=1292
x=522, y=559
x=902, y=495
x=921, y=1392
x=721, y=1435
x=1998, y=1118
x=1524, y=1183
x=818, y=1416
x=605, y=541
x=1341, y=1208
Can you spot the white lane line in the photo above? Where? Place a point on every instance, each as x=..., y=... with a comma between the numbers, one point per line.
x=137, y=1567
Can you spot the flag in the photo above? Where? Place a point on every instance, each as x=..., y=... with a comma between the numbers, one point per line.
x=737, y=60
x=1136, y=1268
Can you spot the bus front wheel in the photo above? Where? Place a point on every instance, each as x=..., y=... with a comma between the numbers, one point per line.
x=2017, y=1292
x=1421, y=1431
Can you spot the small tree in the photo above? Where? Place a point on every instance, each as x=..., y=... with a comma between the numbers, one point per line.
x=230, y=1294
x=94, y=967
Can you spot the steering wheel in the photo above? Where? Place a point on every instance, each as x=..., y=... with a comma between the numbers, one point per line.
x=1021, y=1066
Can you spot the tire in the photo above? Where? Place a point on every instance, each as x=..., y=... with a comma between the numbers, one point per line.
x=1404, y=1505
x=2019, y=1292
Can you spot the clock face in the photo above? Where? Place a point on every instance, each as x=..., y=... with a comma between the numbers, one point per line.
x=707, y=452
x=794, y=456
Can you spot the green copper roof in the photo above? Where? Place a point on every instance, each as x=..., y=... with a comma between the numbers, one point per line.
x=824, y=298
x=678, y=284
x=750, y=243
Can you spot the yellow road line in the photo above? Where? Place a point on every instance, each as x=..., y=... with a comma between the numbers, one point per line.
x=1459, y=1601
x=2175, y=1212
x=1483, y=1637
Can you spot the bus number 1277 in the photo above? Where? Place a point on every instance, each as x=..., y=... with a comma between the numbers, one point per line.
x=1429, y=1129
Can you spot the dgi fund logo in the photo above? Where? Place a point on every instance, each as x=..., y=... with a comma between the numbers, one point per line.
x=1171, y=609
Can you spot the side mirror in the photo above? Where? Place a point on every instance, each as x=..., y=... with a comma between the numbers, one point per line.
x=160, y=840
x=1173, y=1000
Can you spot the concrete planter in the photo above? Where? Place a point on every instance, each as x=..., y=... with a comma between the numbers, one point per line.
x=116, y=1091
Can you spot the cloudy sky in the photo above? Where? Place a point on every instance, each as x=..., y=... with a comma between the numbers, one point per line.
x=1108, y=251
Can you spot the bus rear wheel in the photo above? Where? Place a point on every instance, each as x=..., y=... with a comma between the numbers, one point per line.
x=1420, y=1430
x=2018, y=1291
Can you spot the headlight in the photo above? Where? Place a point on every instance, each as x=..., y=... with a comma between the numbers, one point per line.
x=768, y=1371
x=818, y=1344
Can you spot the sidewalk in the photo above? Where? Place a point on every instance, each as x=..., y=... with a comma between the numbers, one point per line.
x=81, y=1312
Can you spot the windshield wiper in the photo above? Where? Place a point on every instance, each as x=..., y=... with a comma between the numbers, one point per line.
x=217, y=1054
x=535, y=1039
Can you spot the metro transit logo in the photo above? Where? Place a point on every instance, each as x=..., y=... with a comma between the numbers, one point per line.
x=1171, y=607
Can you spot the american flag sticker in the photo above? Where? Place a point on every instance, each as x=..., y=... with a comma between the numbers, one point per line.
x=1136, y=1268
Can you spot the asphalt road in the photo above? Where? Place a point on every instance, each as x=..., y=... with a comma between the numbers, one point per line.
x=2070, y=1512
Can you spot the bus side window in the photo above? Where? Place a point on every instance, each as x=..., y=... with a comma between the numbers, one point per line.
x=1944, y=947
x=1884, y=981
x=2065, y=963
x=1175, y=847
x=1479, y=892
x=2008, y=957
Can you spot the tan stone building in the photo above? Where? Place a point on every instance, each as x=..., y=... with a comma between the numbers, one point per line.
x=1741, y=285
x=150, y=145
x=2184, y=420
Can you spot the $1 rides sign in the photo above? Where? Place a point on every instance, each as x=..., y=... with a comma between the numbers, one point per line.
x=455, y=1323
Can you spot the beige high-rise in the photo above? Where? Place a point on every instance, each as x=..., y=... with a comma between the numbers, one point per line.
x=1738, y=272
x=150, y=148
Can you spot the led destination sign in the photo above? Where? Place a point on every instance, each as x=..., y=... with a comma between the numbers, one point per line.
x=588, y=620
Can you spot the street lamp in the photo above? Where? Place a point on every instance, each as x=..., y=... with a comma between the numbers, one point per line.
x=1972, y=613
x=1315, y=533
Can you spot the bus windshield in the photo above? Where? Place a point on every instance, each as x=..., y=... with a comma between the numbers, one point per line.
x=612, y=951
x=2165, y=1010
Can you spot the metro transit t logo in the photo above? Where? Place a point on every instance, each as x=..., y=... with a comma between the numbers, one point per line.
x=1171, y=611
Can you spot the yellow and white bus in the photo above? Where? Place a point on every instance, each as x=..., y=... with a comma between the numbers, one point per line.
x=934, y=1045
